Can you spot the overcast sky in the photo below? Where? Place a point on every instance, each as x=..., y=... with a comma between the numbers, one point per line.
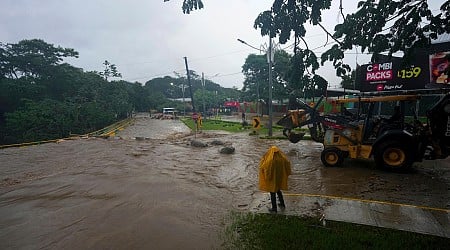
x=149, y=38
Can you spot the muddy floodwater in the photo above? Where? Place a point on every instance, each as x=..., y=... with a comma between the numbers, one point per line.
x=148, y=188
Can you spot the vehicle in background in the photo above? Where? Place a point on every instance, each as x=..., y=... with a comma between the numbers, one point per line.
x=169, y=111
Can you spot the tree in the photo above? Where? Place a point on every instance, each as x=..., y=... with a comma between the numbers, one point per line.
x=190, y=5
x=109, y=71
x=31, y=58
x=389, y=26
x=210, y=98
x=138, y=96
x=256, y=72
x=349, y=81
x=377, y=26
x=42, y=98
x=34, y=121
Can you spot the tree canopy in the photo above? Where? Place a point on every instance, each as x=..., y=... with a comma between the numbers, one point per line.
x=256, y=74
x=43, y=98
x=190, y=5
x=377, y=26
x=31, y=58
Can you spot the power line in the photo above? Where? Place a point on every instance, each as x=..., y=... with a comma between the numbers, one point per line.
x=231, y=74
x=156, y=75
x=195, y=59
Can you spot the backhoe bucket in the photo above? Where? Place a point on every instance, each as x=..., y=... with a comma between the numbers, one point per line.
x=294, y=138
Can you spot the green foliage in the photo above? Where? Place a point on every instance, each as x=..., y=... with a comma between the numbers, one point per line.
x=229, y=126
x=389, y=26
x=209, y=124
x=109, y=71
x=190, y=5
x=291, y=76
x=42, y=98
x=266, y=231
x=172, y=88
x=46, y=119
x=31, y=58
x=288, y=19
x=376, y=27
x=256, y=72
x=209, y=98
x=349, y=82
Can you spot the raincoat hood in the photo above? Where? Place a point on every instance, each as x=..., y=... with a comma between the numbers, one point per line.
x=274, y=169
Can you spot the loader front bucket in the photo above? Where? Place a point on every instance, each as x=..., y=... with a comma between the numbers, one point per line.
x=294, y=138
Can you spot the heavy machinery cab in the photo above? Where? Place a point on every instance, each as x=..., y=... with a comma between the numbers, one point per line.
x=385, y=127
x=377, y=115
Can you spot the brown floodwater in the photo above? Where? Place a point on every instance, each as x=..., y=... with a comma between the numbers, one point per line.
x=148, y=188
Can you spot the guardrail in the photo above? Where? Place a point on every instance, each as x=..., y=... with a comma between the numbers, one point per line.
x=103, y=133
x=111, y=129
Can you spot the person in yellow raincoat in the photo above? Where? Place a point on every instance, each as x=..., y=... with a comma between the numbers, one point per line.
x=274, y=169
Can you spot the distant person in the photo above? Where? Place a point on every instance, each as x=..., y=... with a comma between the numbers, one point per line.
x=274, y=169
x=243, y=117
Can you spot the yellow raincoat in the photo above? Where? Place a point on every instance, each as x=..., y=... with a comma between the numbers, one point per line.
x=274, y=169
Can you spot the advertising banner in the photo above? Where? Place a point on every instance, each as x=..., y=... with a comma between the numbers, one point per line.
x=428, y=69
x=439, y=70
x=392, y=75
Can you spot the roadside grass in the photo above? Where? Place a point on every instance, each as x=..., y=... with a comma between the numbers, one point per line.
x=235, y=127
x=210, y=124
x=268, y=231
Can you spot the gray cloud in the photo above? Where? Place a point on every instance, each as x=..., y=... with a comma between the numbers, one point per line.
x=149, y=38
x=143, y=38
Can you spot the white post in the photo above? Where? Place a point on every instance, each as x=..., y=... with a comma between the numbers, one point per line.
x=270, y=85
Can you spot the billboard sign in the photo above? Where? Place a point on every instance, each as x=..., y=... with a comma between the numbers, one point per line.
x=428, y=68
x=392, y=75
x=439, y=70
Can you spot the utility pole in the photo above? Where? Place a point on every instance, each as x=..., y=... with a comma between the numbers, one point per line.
x=269, y=56
x=203, y=93
x=183, y=87
x=189, y=82
x=257, y=96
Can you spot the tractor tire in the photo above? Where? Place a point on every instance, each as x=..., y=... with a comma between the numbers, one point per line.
x=393, y=155
x=317, y=132
x=332, y=157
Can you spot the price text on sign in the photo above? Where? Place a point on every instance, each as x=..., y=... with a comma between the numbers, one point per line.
x=409, y=73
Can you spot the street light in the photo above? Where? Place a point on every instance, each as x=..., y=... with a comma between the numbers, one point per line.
x=257, y=82
x=244, y=42
x=270, y=61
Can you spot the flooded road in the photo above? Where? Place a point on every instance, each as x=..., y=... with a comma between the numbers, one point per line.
x=147, y=188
